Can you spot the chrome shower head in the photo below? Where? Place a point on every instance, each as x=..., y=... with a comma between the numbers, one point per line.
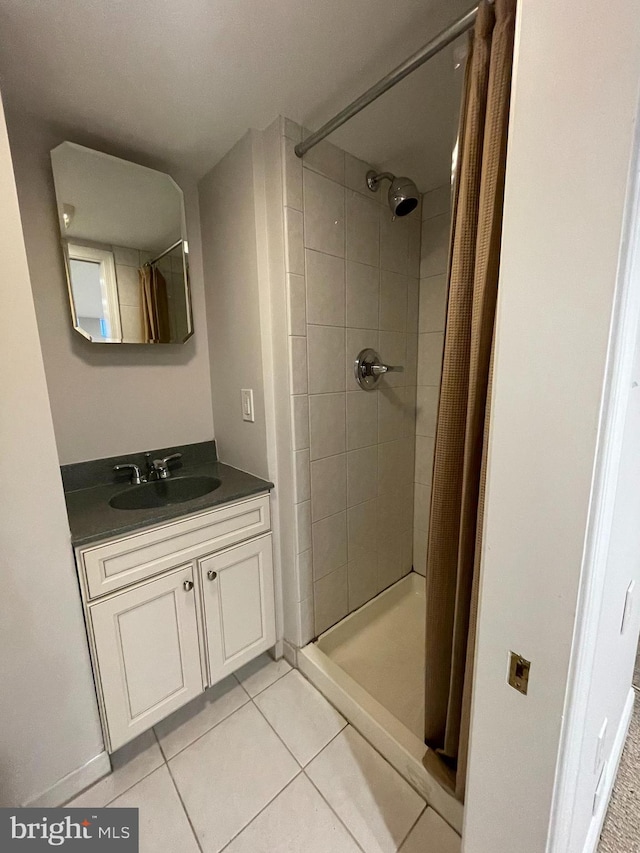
x=403, y=193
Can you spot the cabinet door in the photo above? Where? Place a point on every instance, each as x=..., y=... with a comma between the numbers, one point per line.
x=147, y=651
x=237, y=588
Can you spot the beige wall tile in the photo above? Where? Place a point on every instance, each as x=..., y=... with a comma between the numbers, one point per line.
x=394, y=242
x=390, y=561
x=327, y=416
x=324, y=225
x=430, y=347
x=435, y=245
x=326, y=159
x=294, y=241
x=331, y=599
x=424, y=459
x=292, y=175
x=362, y=527
x=329, y=544
x=297, y=299
x=328, y=486
x=393, y=301
x=362, y=475
x=362, y=577
x=363, y=295
x=300, y=421
x=326, y=348
x=302, y=476
x=325, y=289
x=362, y=418
x=436, y=202
x=427, y=409
x=433, y=303
x=298, y=365
x=303, y=527
x=363, y=229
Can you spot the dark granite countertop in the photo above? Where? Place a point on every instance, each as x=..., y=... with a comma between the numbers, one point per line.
x=92, y=519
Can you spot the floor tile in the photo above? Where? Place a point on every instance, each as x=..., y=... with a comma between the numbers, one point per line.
x=227, y=776
x=164, y=827
x=373, y=801
x=203, y=713
x=297, y=820
x=432, y=835
x=302, y=717
x=259, y=673
x=130, y=764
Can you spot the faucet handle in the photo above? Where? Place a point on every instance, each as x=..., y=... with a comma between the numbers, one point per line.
x=136, y=476
x=172, y=457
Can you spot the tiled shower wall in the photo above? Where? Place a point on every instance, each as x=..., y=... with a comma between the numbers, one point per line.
x=352, y=280
x=436, y=223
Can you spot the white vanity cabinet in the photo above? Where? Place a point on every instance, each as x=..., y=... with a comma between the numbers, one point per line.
x=173, y=609
x=237, y=595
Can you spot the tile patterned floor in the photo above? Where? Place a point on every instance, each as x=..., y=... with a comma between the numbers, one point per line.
x=262, y=763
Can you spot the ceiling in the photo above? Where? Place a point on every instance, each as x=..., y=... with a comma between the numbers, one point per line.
x=182, y=81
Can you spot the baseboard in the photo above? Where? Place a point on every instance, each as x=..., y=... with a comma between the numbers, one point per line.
x=73, y=783
x=597, y=821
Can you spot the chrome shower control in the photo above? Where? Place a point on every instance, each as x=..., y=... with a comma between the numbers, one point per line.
x=368, y=369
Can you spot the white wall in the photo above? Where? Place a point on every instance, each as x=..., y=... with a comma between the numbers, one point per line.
x=228, y=218
x=48, y=716
x=572, y=119
x=106, y=399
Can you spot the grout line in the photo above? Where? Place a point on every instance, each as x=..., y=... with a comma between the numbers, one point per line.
x=413, y=825
x=257, y=814
x=214, y=726
x=162, y=752
x=184, y=808
x=332, y=810
x=284, y=674
x=141, y=779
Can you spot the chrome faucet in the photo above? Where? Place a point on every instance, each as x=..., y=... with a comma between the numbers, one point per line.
x=136, y=474
x=158, y=469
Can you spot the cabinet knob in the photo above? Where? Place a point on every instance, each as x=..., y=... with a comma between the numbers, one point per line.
x=188, y=586
x=212, y=575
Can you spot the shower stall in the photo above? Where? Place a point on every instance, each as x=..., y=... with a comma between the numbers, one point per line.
x=370, y=276
x=366, y=350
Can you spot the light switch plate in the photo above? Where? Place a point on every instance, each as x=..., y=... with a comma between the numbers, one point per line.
x=247, y=405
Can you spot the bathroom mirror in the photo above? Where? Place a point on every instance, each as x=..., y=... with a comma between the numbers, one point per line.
x=125, y=248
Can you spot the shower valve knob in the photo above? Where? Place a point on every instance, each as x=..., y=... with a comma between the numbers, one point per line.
x=368, y=369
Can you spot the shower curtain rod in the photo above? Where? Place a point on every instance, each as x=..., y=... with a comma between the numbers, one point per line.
x=403, y=70
x=162, y=254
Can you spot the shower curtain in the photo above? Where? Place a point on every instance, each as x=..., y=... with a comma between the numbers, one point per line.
x=457, y=498
x=155, y=305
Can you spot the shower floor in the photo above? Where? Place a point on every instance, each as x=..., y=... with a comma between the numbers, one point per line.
x=371, y=667
x=382, y=649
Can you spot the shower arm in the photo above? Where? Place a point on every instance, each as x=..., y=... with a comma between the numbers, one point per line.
x=373, y=179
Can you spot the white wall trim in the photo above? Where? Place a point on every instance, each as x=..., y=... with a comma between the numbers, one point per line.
x=617, y=748
x=622, y=344
x=73, y=783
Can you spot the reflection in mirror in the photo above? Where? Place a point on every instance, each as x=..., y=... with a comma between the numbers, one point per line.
x=124, y=242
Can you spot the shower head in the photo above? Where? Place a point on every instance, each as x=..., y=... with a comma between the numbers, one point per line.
x=403, y=193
